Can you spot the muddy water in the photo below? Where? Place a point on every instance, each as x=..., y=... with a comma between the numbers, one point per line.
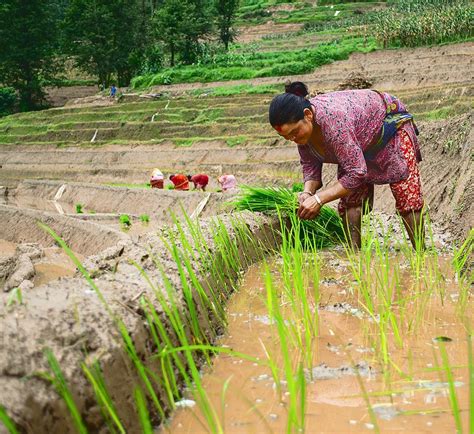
x=135, y=229
x=54, y=264
x=411, y=396
x=40, y=204
x=7, y=248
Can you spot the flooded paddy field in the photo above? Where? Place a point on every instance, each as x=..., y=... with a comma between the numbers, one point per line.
x=350, y=382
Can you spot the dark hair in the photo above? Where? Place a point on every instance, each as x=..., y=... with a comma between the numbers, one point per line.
x=289, y=107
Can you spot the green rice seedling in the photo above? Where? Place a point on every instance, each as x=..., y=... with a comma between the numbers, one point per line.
x=145, y=218
x=453, y=399
x=7, y=421
x=15, y=297
x=185, y=259
x=58, y=381
x=142, y=370
x=295, y=381
x=143, y=414
x=304, y=324
x=187, y=366
x=326, y=230
x=79, y=207
x=96, y=379
x=463, y=259
x=125, y=221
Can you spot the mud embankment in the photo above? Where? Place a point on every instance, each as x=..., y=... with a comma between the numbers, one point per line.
x=68, y=317
x=99, y=199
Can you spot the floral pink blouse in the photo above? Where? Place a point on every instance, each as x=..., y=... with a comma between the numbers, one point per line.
x=350, y=121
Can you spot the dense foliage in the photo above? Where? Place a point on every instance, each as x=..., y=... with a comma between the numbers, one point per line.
x=29, y=38
x=109, y=40
x=411, y=23
x=105, y=38
x=8, y=100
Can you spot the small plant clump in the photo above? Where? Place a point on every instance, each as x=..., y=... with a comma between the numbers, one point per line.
x=125, y=221
x=145, y=218
x=79, y=209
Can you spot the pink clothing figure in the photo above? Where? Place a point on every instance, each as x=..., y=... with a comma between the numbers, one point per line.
x=227, y=182
x=350, y=121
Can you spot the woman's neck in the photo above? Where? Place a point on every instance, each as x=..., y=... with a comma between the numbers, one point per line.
x=317, y=139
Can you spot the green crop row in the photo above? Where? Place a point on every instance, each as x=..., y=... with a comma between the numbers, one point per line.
x=266, y=64
x=439, y=23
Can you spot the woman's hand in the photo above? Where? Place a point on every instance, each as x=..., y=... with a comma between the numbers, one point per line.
x=309, y=209
x=303, y=196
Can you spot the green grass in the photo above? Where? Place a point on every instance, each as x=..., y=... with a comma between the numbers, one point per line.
x=7, y=421
x=240, y=89
x=265, y=64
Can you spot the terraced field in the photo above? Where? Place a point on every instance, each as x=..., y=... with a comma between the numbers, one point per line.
x=190, y=128
x=182, y=132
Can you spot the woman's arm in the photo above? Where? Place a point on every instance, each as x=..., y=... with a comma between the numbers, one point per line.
x=310, y=187
x=310, y=207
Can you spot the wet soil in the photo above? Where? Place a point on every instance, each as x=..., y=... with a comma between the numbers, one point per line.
x=244, y=395
x=54, y=264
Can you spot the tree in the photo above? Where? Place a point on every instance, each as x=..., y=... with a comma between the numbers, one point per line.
x=180, y=25
x=226, y=12
x=106, y=38
x=29, y=37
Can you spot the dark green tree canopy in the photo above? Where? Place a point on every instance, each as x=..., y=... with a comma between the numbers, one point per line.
x=104, y=37
x=180, y=25
x=28, y=48
x=226, y=12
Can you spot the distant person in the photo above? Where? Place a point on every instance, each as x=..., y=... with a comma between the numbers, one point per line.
x=200, y=181
x=180, y=181
x=370, y=136
x=157, y=179
x=113, y=91
x=227, y=182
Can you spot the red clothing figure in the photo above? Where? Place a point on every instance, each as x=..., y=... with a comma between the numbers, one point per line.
x=180, y=181
x=200, y=181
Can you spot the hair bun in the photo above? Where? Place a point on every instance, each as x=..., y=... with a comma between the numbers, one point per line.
x=296, y=88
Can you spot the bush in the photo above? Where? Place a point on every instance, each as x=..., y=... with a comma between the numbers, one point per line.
x=8, y=100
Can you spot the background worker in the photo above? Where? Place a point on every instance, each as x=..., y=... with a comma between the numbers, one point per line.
x=228, y=183
x=200, y=181
x=370, y=136
x=180, y=181
x=157, y=179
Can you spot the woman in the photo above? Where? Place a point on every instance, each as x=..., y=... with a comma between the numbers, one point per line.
x=157, y=179
x=200, y=181
x=180, y=181
x=372, y=139
x=228, y=183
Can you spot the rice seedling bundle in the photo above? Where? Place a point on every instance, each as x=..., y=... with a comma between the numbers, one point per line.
x=323, y=231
